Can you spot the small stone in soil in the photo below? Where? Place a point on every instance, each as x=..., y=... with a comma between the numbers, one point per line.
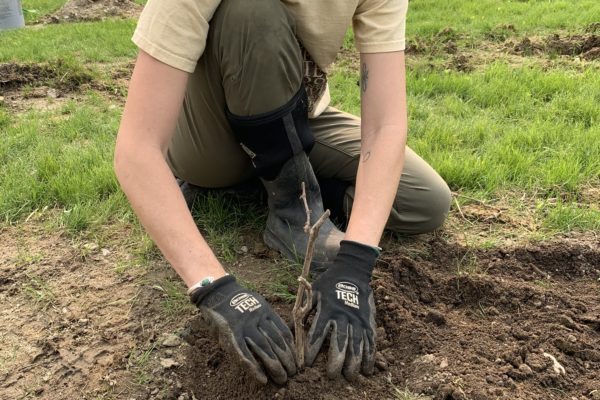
x=525, y=369
x=436, y=318
x=444, y=363
x=167, y=363
x=381, y=362
x=171, y=341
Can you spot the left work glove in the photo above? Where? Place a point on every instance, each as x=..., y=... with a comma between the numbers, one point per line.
x=344, y=305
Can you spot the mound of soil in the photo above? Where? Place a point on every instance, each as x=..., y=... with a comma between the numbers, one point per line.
x=58, y=74
x=587, y=46
x=94, y=10
x=454, y=323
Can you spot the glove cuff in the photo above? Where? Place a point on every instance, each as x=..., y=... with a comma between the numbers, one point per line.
x=360, y=256
x=199, y=294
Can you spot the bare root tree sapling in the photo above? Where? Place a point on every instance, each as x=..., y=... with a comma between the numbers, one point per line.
x=304, y=295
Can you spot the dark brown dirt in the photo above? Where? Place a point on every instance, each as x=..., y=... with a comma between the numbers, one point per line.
x=94, y=10
x=455, y=324
x=46, y=86
x=57, y=74
x=84, y=319
x=587, y=46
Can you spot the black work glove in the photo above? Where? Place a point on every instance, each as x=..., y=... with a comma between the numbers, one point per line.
x=247, y=326
x=345, y=307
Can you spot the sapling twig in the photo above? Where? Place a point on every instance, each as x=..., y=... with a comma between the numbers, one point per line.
x=304, y=295
x=308, y=211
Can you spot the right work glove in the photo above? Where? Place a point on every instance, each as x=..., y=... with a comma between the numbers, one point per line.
x=246, y=325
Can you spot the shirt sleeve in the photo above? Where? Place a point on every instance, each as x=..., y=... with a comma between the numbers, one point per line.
x=175, y=31
x=380, y=25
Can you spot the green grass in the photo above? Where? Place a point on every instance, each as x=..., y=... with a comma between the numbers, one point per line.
x=35, y=9
x=478, y=18
x=224, y=218
x=503, y=128
x=62, y=160
x=102, y=41
x=39, y=292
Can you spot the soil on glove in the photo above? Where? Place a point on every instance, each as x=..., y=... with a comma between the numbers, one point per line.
x=94, y=10
x=455, y=323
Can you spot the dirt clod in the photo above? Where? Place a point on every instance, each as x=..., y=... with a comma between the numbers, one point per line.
x=94, y=10
x=59, y=74
x=587, y=46
x=452, y=346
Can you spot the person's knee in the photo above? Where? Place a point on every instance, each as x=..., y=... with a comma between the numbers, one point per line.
x=423, y=211
x=437, y=205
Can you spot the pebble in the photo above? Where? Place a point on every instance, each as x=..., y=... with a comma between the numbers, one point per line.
x=444, y=363
x=105, y=252
x=435, y=317
x=244, y=249
x=381, y=362
x=571, y=338
x=167, y=363
x=90, y=246
x=171, y=341
x=154, y=391
x=53, y=93
x=525, y=369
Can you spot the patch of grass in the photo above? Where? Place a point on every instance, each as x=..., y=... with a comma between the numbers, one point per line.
x=565, y=217
x=65, y=161
x=174, y=299
x=543, y=284
x=33, y=10
x=101, y=41
x=406, y=394
x=480, y=17
x=284, y=276
x=468, y=265
x=137, y=362
x=224, y=217
x=39, y=291
x=502, y=129
x=523, y=128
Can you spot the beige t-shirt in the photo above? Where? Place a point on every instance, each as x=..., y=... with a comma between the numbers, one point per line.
x=175, y=31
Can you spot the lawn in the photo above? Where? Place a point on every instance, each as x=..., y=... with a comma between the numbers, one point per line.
x=503, y=101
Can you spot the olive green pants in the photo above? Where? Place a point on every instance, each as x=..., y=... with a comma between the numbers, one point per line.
x=252, y=64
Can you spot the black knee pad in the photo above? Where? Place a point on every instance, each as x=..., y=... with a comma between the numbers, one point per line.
x=272, y=138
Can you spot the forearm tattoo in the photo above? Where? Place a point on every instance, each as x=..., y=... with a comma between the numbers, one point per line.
x=364, y=77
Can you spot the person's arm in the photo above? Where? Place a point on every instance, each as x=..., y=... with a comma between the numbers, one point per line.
x=153, y=104
x=342, y=297
x=245, y=322
x=383, y=138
